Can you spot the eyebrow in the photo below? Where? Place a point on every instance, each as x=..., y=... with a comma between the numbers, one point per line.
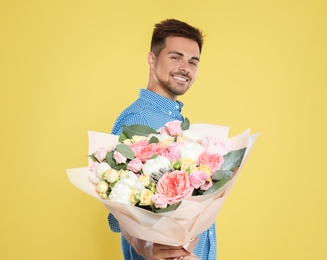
x=181, y=54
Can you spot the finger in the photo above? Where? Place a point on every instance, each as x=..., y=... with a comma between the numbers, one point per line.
x=170, y=254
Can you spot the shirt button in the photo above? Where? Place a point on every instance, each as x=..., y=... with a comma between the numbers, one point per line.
x=177, y=107
x=170, y=112
x=210, y=233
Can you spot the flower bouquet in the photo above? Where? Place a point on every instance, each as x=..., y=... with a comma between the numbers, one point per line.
x=168, y=185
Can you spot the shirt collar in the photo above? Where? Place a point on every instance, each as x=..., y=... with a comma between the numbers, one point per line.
x=167, y=105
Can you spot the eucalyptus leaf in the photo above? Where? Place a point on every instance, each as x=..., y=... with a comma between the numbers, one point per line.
x=153, y=140
x=141, y=130
x=125, y=150
x=216, y=186
x=111, y=161
x=93, y=158
x=220, y=174
x=169, y=208
x=122, y=137
x=233, y=159
x=154, y=156
x=185, y=124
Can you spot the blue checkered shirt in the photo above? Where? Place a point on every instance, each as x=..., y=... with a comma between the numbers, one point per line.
x=155, y=111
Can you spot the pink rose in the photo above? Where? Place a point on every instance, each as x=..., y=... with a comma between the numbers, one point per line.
x=215, y=145
x=173, y=151
x=206, y=186
x=213, y=161
x=174, y=186
x=101, y=154
x=160, y=149
x=135, y=165
x=172, y=128
x=143, y=150
x=119, y=158
x=159, y=201
x=198, y=178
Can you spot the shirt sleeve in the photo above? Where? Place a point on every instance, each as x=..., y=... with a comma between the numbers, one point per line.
x=113, y=223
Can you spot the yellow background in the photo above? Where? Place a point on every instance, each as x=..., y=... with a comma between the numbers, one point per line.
x=71, y=66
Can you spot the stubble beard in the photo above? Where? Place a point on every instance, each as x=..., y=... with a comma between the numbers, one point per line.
x=174, y=89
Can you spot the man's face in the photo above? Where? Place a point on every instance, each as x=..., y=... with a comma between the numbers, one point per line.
x=175, y=68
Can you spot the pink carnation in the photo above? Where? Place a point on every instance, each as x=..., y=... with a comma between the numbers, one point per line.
x=215, y=145
x=135, y=165
x=174, y=186
x=213, y=161
x=198, y=178
x=172, y=128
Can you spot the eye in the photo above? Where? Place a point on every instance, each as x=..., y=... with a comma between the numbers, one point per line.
x=193, y=63
x=175, y=57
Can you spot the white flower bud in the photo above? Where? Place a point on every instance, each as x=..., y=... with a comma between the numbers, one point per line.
x=102, y=187
x=101, y=169
x=111, y=176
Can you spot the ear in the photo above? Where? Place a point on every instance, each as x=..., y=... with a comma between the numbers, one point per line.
x=151, y=59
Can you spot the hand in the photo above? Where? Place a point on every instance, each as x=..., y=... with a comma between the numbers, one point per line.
x=154, y=251
x=191, y=257
x=160, y=252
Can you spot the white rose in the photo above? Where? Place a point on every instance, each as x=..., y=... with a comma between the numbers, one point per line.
x=187, y=164
x=111, y=176
x=145, y=180
x=163, y=138
x=154, y=165
x=127, y=141
x=123, y=174
x=101, y=169
x=134, y=197
x=124, y=188
x=146, y=197
x=138, y=138
x=191, y=150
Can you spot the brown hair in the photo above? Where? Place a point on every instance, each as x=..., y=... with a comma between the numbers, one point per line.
x=172, y=27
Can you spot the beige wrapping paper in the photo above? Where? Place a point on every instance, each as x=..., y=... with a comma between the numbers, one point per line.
x=175, y=228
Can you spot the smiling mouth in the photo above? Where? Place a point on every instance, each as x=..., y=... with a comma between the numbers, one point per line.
x=181, y=78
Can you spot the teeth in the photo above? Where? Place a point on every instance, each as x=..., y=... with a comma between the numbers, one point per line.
x=181, y=79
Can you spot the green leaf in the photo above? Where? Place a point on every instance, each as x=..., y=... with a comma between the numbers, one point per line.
x=93, y=158
x=233, y=159
x=216, y=186
x=154, y=156
x=125, y=150
x=185, y=124
x=153, y=140
x=141, y=130
x=122, y=137
x=219, y=175
x=169, y=208
x=111, y=161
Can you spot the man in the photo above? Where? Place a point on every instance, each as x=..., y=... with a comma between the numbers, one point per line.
x=173, y=61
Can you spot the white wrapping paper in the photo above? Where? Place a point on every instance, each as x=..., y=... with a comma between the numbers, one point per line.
x=193, y=216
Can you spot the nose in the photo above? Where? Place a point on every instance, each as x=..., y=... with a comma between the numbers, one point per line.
x=184, y=66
